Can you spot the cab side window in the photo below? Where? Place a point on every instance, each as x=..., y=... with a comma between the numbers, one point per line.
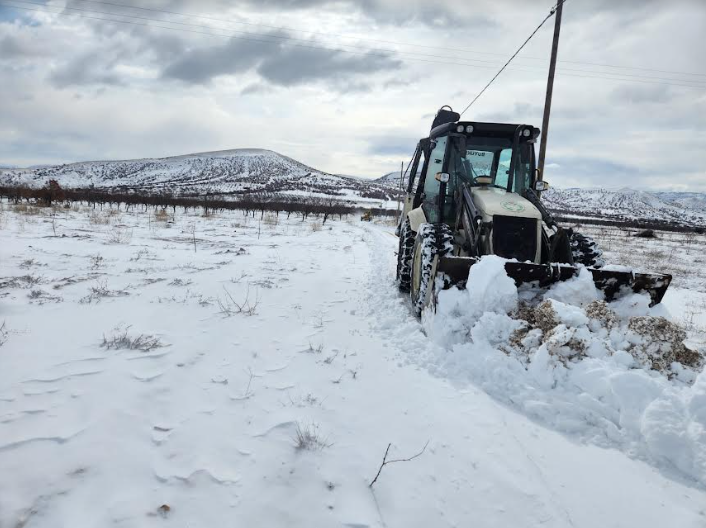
x=436, y=161
x=502, y=175
x=431, y=184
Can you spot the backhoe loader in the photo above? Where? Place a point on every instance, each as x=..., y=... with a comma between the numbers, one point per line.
x=473, y=190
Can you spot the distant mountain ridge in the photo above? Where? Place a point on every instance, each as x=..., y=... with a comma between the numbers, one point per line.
x=247, y=171
x=682, y=208
x=223, y=173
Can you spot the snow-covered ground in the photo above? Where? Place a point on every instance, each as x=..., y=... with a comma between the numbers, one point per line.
x=272, y=363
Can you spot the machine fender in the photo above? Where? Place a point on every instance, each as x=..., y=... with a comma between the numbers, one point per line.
x=416, y=218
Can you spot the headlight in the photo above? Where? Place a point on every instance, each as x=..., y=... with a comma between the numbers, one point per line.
x=459, y=129
x=526, y=132
x=469, y=129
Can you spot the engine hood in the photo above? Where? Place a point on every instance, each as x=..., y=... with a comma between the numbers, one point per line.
x=493, y=201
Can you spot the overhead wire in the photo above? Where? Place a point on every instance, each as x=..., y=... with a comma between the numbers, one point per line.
x=338, y=35
x=551, y=14
x=387, y=53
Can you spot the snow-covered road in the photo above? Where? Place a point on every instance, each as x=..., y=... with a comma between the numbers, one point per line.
x=202, y=431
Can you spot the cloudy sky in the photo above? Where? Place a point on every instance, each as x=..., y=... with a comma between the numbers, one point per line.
x=348, y=86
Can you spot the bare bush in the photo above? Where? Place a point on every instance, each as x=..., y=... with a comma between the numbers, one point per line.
x=161, y=216
x=42, y=297
x=229, y=306
x=308, y=438
x=97, y=261
x=100, y=291
x=3, y=333
x=181, y=282
x=120, y=235
x=646, y=233
x=315, y=349
x=24, y=281
x=28, y=210
x=121, y=339
x=270, y=220
x=98, y=219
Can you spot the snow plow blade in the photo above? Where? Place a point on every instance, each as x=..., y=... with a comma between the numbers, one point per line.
x=610, y=282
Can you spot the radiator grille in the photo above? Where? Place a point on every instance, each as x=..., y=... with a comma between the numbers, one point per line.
x=515, y=237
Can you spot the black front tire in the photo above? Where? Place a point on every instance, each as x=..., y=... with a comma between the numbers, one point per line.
x=433, y=240
x=585, y=251
x=404, y=256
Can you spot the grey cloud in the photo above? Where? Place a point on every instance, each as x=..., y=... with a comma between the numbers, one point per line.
x=89, y=68
x=636, y=94
x=581, y=171
x=200, y=65
x=442, y=14
x=12, y=46
x=301, y=65
x=256, y=89
x=518, y=113
x=393, y=144
x=279, y=64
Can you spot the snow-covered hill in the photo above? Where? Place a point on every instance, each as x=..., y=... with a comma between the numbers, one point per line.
x=629, y=204
x=391, y=179
x=228, y=172
x=245, y=171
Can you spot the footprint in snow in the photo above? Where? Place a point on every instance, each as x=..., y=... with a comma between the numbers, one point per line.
x=148, y=376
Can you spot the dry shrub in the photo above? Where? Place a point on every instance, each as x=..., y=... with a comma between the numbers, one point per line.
x=646, y=233
x=120, y=235
x=270, y=220
x=122, y=340
x=161, y=215
x=307, y=437
x=100, y=291
x=316, y=226
x=96, y=218
x=29, y=210
x=3, y=333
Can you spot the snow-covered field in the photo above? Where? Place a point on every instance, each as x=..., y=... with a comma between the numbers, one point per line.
x=233, y=371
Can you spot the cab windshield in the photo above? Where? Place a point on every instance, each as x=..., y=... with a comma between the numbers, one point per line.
x=486, y=161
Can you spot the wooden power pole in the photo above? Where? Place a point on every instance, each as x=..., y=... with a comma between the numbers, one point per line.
x=399, y=197
x=550, y=89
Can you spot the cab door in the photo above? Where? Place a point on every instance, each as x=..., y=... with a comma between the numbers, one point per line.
x=430, y=196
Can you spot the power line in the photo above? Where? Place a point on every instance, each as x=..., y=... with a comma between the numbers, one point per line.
x=380, y=51
x=551, y=13
x=358, y=51
x=338, y=35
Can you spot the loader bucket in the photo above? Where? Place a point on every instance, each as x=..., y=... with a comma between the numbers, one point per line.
x=610, y=282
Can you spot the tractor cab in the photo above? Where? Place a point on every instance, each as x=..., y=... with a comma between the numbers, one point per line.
x=493, y=157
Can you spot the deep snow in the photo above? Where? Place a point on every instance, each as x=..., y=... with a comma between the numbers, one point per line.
x=207, y=423
x=586, y=373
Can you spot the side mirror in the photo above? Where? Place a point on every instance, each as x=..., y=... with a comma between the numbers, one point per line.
x=541, y=185
x=442, y=177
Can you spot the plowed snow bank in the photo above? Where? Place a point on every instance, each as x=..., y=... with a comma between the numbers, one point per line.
x=616, y=374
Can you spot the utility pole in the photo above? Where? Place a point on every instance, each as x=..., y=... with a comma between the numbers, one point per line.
x=550, y=89
x=399, y=198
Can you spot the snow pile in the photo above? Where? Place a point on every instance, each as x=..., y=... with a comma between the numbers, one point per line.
x=615, y=374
